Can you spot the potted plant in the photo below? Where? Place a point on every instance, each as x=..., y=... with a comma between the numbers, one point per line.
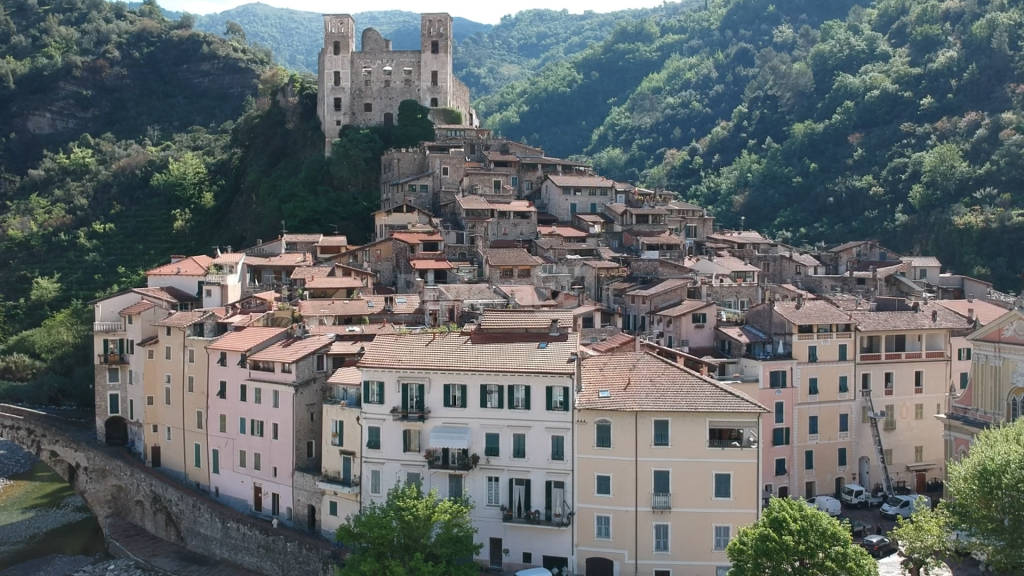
x=506, y=514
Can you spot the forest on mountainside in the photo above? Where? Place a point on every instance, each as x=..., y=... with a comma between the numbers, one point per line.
x=85, y=217
x=817, y=122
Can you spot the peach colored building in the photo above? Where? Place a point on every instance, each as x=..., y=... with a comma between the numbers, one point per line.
x=666, y=468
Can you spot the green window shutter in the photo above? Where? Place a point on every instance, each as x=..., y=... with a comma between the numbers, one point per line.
x=964, y=379
x=548, y=393
x=215, y=462
x=380, y=392
x=813, y=382
x=464, y=397
x=483, y=395
x=501, y=397
x=510, y=395
x=844, y=385
x=787, y=436
x=565, y=398
x=405, y=396
x=241, y=426
x=366, y=391
x=106, y=347
x=784, y=374
x=447, y=395
x=420, y=388
x=528, y=397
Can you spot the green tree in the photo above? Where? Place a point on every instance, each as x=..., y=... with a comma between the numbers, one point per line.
x=986, y=491
x=410, y=534
x=234, y=31
x=794, y=538
x=923, y=538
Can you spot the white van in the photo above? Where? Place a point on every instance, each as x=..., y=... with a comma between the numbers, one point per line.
x=534, y=572
x=903, y=505
x=826, y=504
x=857, y=496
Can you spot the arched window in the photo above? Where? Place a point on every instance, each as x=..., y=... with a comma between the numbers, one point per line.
x=1016, y=402
x=603, y=432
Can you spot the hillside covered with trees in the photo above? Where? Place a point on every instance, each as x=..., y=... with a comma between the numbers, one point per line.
x=818, y=122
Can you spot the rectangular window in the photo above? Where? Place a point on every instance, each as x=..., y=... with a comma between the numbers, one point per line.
x=337, y=104
x=373, y=437
x=113, y=403
x=310, y=449
x=780, y=436
x=964, y=379
x=374, y=481
x=241, y=458
x=113, y=375
x=812, y=425
x=167, y=395
x=844, y=422
x=865, y=382
x=842, y=352
x=602, y=527
x=812, y=386
x=780, y=412
x=223, y=423
x=320, y=362
x=603, y=485
x=889, y=380
x=519, y=397
x=661, y=537
x=777, y=379
x=963, y=353
x=723, y=486
x=558, y=448
x=256, y=428
x=721, y=537
x=918, y=454
x=273, y=431
x=337, y=433
x=367, y=106
x=191, y=355
x=918, y=411
x=215, y=461
x=131, y=409
x=257, y=395
x=699, y=318
x=191, y=383
x=196, y=455
x=332, y=508
x=812, y=353
x=491, y=396
x=455, y=395
x=890, y=417
x=841, y=457
x=410, y=440
x=844, y=385
x=433, y=77
x=558, y=398
x=519, y=445
x=918, y=381
x=493, y=491
x=199, y=419
x=808, y=459
x=276, y=397
x=492, y=444
x=222, y=390
x=167, y=350
x=435, y=47
x=661, y=432
x=887, y=454
x=603, y=434
x=242, y=392
x=373, y=392
x=780, y=466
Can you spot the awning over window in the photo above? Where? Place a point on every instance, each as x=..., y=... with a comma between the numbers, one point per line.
x=450, y=437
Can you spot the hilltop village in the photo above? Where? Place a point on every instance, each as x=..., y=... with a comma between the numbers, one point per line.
x=609, y=376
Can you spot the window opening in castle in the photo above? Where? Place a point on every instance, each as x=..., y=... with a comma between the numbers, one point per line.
x=337, y=47
x=435, y=48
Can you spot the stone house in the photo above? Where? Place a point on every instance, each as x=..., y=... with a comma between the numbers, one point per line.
x=564, y=196
x=510, y=266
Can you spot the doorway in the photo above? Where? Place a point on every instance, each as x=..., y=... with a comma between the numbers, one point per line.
x=116, y=431
x=495, y=552
x=154, y=456
x=311, y=518
x=922, y=483
x=783, y=491
x=600, y=567
x=257, y=498
x=839, y=485
x=389, y=119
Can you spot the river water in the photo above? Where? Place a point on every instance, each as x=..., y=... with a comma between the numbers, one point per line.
x=45, y=528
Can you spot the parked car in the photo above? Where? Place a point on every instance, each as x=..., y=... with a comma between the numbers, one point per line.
x=903, y=505
x=857, y=496
x=878, y=546
x=826, y=504
x=534, y=572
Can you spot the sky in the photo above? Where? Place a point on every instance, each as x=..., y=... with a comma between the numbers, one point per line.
x=488, y=12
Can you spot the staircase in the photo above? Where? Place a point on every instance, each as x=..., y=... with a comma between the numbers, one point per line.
x=877, y=438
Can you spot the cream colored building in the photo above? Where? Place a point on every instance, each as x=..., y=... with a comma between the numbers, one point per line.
x=174, y=382
x=666, y=468
x=341, y=450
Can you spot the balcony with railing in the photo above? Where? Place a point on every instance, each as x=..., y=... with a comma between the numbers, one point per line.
x=337, y=483
x=410, y=413
x=732, y=435
x=451, y=459
x=107, y=327
x=546, y=518
x=903, y=356
x=661, y=500
x=112, y=358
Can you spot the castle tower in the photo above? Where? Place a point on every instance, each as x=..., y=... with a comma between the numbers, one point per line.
x=436, y=78
x=334, y=73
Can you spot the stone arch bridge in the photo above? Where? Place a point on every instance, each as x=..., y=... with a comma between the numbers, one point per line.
x=118, y=488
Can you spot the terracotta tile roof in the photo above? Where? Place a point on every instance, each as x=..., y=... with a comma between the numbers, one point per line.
x=733, y=264
x=469, y=292
x=229, y=258
x=526, y=295
x=920, y=261
x=418, y=237
x=811, y=312
x=682, y=205
x=137, y=308
x=639, y=381
x=985, y=312
x=333, y=241
x=587, y=181
x=455, y=352
x=333, y=282
x=563, y=231
x=431, y=265
x=286, y=259
x=245, y=339
x=183, y=319
x=346, y=347
x=511, y=257
x=743, y=237
x=662, y=239
x=302, y=237
x=601, y=264
x=365, y=306
x=848, y=245
x=663, y=286
x=804, y=259
x=685, y=308
x=617, y=340
x=308, y=272
x=875, y=321
x=345, y=376
x=595, y=218
x=744, y=334
x=189, y=266
x=498, y=319
x=168, y=294
x=293, y=349
x=474, y=202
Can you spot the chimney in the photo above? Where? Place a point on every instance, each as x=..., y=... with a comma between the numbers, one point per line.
x=970, y=314
x=553, y=330
x=799, y=301
x=935, y=315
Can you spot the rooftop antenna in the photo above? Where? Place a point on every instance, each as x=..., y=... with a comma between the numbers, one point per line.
x=743, y=222
x=283, y=230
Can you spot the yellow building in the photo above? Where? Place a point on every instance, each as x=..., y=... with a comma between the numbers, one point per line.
x=667, y=468
x=175, y=386
x=341, y=451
